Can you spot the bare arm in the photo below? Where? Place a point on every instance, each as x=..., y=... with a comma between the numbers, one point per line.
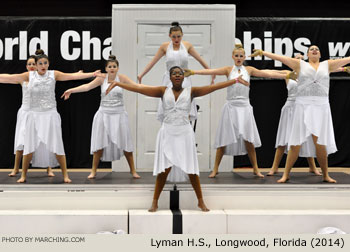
x=83, y=88
x=200, y=91
x=334, y=65
x=153, y=91
x=159, y=54
x=266, y=73
x=14, y=78
x=217, y=71
x=60, y=76
x=125, y=79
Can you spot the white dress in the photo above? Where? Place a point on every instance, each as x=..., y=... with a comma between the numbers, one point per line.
x=110, y=127
x=176, y=58
x=176, y=145
x=43, y=133
x=312, y=115
x=237, y=123
x=22, y=118
x=287, y=112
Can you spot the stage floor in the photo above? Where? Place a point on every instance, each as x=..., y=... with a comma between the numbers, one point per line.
x=108, y=179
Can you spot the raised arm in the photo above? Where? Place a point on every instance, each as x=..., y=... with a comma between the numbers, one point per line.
x=159, y=54
x=83, y=88
x=200, y=91
x=60, y=76
x=335, y=64
x=153, y=91
x=288, y=61
x=14, y=78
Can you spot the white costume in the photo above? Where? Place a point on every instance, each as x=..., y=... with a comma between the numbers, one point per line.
x=287, y=112
x=110, y=127
x=43, y=133
x=22, y=118
x=312, y=115
x=176, y=58
x=237, y=123
x=175, y=146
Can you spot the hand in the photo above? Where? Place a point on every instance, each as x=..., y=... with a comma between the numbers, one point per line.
x=292, y=75
x=111, y=86
x=81, y=71
x=98, y=73
x=139, y=79
x=256, y=52
x=242, y=81
x=188, y=72
x=66, y=94
x=212, y=79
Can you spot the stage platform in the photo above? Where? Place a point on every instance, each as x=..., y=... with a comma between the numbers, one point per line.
x=239, y=202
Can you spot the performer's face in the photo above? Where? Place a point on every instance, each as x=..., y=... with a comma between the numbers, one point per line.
x=42, y=65
x=31, y=66
x=176, y=37
x=238, y=56
x=112, y=68
x=177, y=77
x=314, y=52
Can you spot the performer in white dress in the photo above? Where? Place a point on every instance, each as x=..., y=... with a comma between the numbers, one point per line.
x=43, y=137
x=312, y=132
x=176, y=54
x=110, y=136
x=175, y=146
x=237, y=133
x=21, y=120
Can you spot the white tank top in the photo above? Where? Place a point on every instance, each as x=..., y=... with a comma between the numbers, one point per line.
x=177, y=112
x=312, y=82
x=292, y=88
x=115, y=96
x=25, y=96
x=176, y=58
x=238, y=90
x=42, y=90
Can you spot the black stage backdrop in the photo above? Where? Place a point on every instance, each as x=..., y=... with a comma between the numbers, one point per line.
x=80, y=43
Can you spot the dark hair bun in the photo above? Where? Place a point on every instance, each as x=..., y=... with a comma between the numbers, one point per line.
x=112, y=57
x=175, y=24
x=39, y=52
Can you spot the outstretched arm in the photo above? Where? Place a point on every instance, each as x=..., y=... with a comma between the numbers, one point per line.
x=200, y=91
x=335, y=64
x=83, y=88
x=288, y=61
x=217, y=71
x=274, y=74
x=153, y=91
x=159, y=54
x=14, y=78
x=60, y=76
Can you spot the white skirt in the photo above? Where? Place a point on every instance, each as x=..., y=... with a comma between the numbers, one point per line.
x=312, y=116
x=176, y=148
x=43, y=138
x=186, y=83
x=111, y=132
x=285, y=124
x=237, y=124
x=22, y=115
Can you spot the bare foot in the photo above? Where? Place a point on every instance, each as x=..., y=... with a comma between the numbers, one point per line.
x=329, y=180
x=153, y=207
x=202, y=206
x=67, y=180
x=21, y=180
x=50, y=173
x=272, y=172
x=258, y=173
x=135, y=175
x=282, y=180
x=213, y=174
x=13, y=173
x=316, y=172
x=92, y=175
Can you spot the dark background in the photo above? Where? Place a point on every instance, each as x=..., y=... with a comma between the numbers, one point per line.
x=76, y=125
